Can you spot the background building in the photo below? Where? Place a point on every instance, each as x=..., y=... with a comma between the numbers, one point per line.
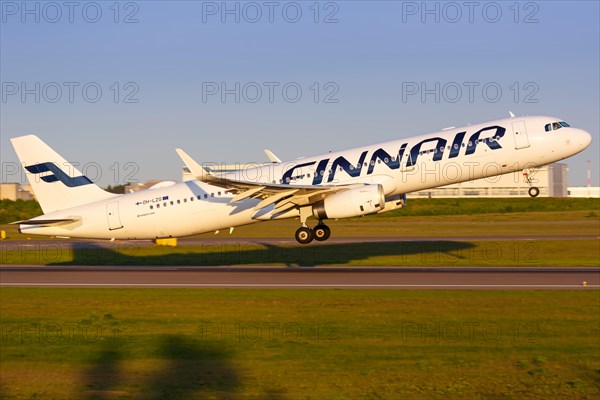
x=584, y=191
x=551, y=180
x=16, y=191
x=136, y=187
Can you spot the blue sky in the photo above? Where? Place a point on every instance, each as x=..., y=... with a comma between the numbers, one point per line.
x=353, y=68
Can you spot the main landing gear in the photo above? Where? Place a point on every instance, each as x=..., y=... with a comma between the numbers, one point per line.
x=305, y=235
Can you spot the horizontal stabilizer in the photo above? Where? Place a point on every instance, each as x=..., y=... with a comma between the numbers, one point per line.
x=46, y=222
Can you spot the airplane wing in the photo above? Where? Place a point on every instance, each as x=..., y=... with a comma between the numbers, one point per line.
x=284, y=197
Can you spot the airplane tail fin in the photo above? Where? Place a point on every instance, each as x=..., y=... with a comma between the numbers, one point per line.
x=57, y=184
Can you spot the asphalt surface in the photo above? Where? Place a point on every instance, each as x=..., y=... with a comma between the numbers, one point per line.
x=220, y=240
x=302, y=277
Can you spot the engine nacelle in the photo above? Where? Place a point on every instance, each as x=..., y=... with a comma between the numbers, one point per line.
x=394, y=203
x=363, y=200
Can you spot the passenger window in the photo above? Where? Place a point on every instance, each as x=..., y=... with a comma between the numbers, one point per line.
x=151, y=207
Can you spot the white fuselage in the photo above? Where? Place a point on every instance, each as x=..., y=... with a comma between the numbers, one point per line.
x=400, y=166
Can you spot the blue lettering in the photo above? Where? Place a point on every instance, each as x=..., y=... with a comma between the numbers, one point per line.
x=456, y=144
x=352, y=170
x=438, y=152
x=287, y=177
x=492, y=144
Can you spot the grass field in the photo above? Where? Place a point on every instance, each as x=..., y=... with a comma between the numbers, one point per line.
x=458, y=218
x=298, y=344
x=318, y=344
x=443, y=217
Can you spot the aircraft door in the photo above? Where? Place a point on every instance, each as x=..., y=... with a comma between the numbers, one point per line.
x=112, y=213
x=520, y=134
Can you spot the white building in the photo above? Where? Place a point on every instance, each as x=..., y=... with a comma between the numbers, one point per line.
x=584, y=191
x=551, y=180
x=16, y=191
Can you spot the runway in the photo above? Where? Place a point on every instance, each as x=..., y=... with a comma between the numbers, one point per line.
x=223, y=240
x=478, y=278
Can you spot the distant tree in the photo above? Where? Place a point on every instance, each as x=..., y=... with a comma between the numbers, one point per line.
x=11, y=211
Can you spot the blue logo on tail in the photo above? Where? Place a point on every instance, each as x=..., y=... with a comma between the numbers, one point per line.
x=57, y=175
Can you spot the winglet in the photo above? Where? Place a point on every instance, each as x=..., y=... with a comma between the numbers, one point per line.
x=272, y=157
x=196, y=169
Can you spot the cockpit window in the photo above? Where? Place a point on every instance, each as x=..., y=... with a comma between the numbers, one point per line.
x=556, y=125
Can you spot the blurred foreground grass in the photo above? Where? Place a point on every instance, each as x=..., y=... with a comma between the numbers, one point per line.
x=297, y=344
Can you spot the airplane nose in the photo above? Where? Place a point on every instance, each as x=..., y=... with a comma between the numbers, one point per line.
x=584, y=139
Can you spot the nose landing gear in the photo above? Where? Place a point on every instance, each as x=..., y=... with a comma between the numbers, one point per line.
x=533, y=191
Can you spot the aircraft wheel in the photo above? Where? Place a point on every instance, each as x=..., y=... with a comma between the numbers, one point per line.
x=304, y=235
x=534, y=192
x=321, y=232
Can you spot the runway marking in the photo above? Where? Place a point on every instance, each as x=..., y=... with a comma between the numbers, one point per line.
x=299, y=285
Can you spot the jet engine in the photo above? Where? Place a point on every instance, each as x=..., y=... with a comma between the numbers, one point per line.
x=363, y=200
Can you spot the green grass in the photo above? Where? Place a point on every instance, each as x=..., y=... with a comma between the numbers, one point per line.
x=546, y=253
x=466, y=206
x=11, y=211
x=16, y=210
x=578, y=217
x=298, y=344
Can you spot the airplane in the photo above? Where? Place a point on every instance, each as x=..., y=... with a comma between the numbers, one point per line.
x=360, y=181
